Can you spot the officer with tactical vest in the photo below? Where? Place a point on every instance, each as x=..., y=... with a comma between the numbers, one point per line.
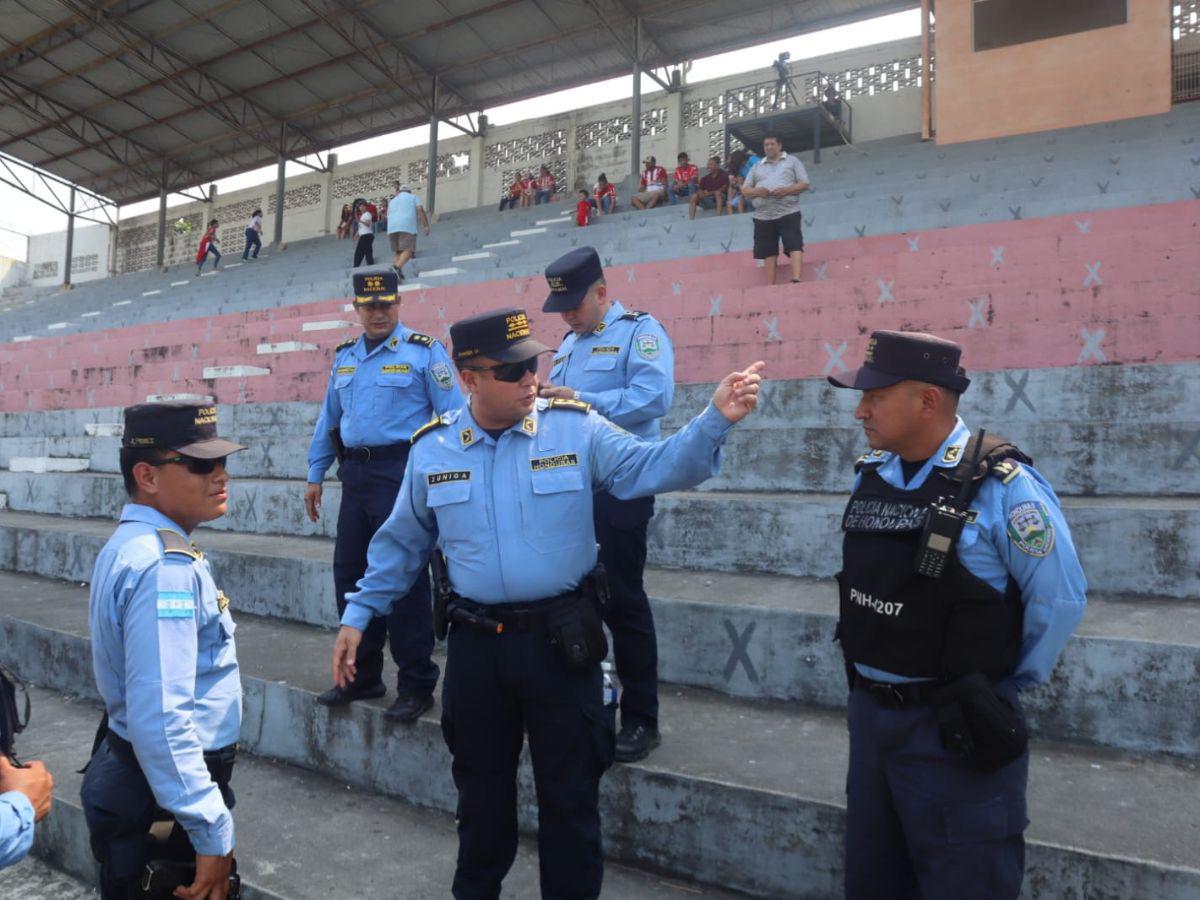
x=385, y=385
x=503, y=488
x=622, y=363
x=960, y=587
x=166, y=666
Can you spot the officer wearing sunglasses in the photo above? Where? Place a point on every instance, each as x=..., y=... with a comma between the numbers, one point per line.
x=385, y=385
x=622, y=362
x=503, y=488
x=165, y=662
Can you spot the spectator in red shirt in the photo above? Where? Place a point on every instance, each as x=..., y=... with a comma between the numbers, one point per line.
x=711, y=191
x=653, y=188
x=606, y=195
x=208, y=247
x=583, y=209
x=545, y=187
x=528, y=183
x=686, y=180
x=513, y=195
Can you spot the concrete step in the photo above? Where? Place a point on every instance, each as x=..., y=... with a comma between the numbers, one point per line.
x=718, y=800
x=754, y=636
x=32, y=879
x=300, y=834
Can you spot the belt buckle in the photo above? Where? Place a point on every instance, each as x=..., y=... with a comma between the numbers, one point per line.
x=887, y=695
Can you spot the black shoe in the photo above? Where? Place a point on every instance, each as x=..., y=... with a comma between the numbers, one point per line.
x=337, y=696
x=636, y=741
x=408, y=707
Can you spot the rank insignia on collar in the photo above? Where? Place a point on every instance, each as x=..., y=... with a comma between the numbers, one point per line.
x=529, y=425
x=222, y=601
x=466, y=437
x=600, y=328
x=394, y=342
x=952, y=453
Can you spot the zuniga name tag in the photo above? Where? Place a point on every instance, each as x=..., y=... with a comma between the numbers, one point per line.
x=446, y=477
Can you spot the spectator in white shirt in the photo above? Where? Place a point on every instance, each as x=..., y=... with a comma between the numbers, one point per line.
x=653, y=189
x=776, y=183
x=253, y=235
x=365, y=248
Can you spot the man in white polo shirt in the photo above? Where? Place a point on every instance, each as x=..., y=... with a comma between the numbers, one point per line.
x=775, y=184
x=403, y=212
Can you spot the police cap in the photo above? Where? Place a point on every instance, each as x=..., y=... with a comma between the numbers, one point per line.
x=375, y=287
x=569, y=278
x=895, y=356
x=502, y=335
x=187, y=428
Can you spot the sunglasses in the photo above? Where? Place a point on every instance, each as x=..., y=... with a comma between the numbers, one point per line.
x=374, y=305
x=510, y=372
x=194, y=465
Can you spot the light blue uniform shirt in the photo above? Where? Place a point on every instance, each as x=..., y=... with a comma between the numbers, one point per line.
x=625, y=369
x=382, y=397
x=514, y=516
x=166, y=666
x=1018, y=529
x=16, y=827
x=402, y=213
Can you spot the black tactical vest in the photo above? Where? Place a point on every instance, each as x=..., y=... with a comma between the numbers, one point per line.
x=893, y=619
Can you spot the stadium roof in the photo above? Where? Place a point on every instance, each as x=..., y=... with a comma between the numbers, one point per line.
x=113, y=94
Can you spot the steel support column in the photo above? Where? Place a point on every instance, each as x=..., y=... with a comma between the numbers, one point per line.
x=635, y=137
x=431, y=175
x=70, y=240
x=279, y=180
x=926, y=85
x=162, y=217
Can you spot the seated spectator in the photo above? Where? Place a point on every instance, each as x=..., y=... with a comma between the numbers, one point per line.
x=832, y=103
x=740, y=164
x=545, y=187
x=346, y=222
x=512, y=196
x=584, y=208
x=712, y=190
x=653, y=188
x=528, y=185
x=606, y=195
x=686, y=180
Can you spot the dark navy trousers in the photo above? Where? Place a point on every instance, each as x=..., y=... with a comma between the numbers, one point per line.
x=369, y=492
x=499, y=687
x=920, y=823
x=621, y=527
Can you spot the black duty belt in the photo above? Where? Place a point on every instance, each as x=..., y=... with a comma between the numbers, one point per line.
x=378, y=454
x=220, y=762
x=528, y=616
x=896, y=696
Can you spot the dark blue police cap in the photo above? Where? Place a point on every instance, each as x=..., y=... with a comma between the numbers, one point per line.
x=569, y=278
x=895, y=356
x=375, y=287
x=187, y=428
x=502, y=335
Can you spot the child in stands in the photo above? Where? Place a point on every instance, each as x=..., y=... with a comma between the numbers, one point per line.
x=583, y=209
x=208, y=246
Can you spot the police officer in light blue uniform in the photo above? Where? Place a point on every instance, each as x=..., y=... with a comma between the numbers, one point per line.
x=622, y=363
x=503, y=487
x=164, y=658
x=960, y=587
x=384, y=386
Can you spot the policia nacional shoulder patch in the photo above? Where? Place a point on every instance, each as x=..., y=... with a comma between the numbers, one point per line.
x=1029, y=527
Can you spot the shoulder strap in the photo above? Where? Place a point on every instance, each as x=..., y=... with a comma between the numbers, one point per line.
x=573, y=405
x=174, y=542
x=349, y=342
x=998, y=457
x=424, y=340
x=634, y=314
x=435, y=423
x=870, y=458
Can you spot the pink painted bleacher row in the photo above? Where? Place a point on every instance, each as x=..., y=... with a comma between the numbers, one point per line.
x=1106, y=287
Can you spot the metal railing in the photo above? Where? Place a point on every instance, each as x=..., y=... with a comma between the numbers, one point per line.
x=1186, y=68
x=763, y=98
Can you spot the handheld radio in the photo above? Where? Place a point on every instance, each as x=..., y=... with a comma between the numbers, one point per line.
x=945, y=524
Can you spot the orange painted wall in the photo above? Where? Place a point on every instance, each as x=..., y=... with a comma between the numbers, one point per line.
x=1093, y=76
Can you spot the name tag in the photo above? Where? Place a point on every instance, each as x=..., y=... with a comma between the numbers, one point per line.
x=606, y=351
x=396, y=369
x=445, y=477
x=876, y=514
x=561, y=461
x=346, y=370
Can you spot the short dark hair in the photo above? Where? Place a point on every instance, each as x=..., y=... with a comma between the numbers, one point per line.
x=682, y=155
x=603, y=178
x=257, y=212
x=772, y=136
x=584, y=192
x=212, y=223
x=715, y=159
x=130, y=457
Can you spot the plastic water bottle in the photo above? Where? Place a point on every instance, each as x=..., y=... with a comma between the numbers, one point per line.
x=610, y=684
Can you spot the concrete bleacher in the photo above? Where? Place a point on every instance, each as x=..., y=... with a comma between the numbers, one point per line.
x=1079, y=319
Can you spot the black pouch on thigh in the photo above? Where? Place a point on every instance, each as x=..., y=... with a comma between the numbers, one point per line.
x=578, y=633
x=979, y=725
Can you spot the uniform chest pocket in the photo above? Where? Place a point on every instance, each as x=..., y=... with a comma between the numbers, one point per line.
x=343, y=384
x=401, y=378
x=557, y=513
x=601, y=363
x=449, y=501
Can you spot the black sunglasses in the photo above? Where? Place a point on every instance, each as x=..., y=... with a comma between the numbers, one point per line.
x=373, y=305
x=194, y=465
x=510, y=372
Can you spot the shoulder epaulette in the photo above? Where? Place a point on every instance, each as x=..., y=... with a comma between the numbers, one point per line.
x=634, y=314
x=574, y=405
x=998, y=457
x=174, y=542
x=436, y=422
x=417, y=338
x=870, y=458
x=348, y=342
x=1006, y=470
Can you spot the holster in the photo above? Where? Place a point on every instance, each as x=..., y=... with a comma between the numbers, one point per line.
x=441, y=595
x=576, y=625
x=162, y=876
x=339, y=448
x=978, y=725
x=12, y=722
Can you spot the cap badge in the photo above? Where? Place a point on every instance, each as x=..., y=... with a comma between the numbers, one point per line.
x=206, y=416
x=516, y=326
x=557, y=285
